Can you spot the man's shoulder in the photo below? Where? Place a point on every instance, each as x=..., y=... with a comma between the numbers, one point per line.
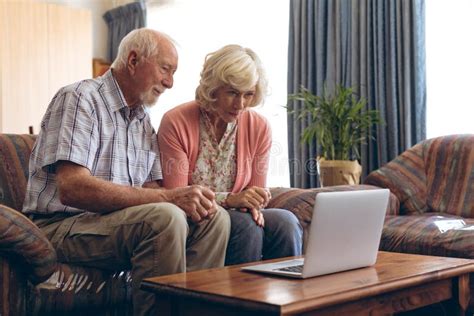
x=83, y=87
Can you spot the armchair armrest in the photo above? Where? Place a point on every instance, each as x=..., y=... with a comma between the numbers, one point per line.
x=301, y=202
x=406, y=178
x=21, y=238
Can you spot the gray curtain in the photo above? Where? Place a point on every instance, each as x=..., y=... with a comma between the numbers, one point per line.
x=120, y=22
x=375, y=46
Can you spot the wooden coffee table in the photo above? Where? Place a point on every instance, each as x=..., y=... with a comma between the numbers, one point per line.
x=397, y=282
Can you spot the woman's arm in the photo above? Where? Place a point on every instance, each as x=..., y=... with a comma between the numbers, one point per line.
x=253, y=196
x=259, y=168
x=174, y=159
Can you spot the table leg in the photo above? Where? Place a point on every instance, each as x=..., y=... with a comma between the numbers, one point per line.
x=461, y=294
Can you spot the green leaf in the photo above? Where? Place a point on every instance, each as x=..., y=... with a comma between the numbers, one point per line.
x=336, y=119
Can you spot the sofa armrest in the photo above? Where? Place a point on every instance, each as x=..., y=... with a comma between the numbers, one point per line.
x=301, y=202
x=22, y=239
x=405, y=176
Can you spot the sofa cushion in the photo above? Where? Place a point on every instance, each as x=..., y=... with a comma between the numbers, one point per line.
x=436, y=175
x=14, y=159
x=21, y=238
x=405, y=176
x=449, y=164
x=436, y=234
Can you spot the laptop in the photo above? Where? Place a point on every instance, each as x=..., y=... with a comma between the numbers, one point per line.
x=344, y=234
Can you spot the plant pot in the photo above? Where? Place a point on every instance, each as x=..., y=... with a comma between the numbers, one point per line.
x=338, y=172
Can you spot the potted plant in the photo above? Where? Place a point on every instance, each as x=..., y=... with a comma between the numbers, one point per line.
x=340, y=124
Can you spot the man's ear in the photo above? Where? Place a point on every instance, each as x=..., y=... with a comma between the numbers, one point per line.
x=132, y=61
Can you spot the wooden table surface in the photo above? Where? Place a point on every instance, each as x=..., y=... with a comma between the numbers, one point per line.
x=411, y=281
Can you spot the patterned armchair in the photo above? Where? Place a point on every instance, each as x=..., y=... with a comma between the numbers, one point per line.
x=434, y=184
x=32, y=282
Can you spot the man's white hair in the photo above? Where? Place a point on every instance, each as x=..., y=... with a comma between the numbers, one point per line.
x=143, y=41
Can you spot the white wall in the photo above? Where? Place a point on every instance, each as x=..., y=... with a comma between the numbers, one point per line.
x=213, y=24
x=449, y=67
x=99, y=27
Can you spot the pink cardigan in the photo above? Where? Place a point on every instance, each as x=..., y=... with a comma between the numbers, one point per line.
x=178, y=138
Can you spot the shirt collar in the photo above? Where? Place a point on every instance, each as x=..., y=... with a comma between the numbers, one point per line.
x=114, y=97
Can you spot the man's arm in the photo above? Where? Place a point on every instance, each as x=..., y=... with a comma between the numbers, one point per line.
x=152, y=185
x=78, y=188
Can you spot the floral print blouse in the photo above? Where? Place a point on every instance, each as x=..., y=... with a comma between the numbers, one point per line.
x=216, y=164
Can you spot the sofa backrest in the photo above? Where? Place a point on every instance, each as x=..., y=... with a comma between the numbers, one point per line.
x=436, y=175
x=15, y=150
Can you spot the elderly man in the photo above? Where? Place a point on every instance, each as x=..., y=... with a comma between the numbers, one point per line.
x=94, y=176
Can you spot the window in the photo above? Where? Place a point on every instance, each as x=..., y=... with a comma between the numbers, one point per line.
x=449, y=67
x=203, y=26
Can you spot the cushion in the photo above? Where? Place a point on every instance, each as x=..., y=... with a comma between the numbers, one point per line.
x=449, y=165
x=436, y=234
x=405, y=176
x=21, y=238
x=15, y=152
x=436, y=175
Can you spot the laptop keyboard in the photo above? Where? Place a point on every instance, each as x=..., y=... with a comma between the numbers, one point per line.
x=296, y=269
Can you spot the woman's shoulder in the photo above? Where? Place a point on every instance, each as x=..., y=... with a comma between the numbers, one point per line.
x=252, y=117
x=183, y=110
x=181, y=116
x=255, y=125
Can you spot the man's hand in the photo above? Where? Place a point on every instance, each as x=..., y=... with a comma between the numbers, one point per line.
x=197, y=201
x=252, y=199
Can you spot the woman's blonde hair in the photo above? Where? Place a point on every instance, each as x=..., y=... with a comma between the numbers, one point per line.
x=235, y=66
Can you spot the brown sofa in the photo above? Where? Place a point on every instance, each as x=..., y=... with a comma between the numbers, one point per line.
x=34, y=283
x=431, y=211
x=431, y=208
x=434, y=184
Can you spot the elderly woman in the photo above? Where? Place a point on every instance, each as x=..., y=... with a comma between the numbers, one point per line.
x=217, y=141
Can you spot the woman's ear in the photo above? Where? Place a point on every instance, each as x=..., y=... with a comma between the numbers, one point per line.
x=213, y=93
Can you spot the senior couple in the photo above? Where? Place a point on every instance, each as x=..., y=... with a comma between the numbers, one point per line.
x=99, y=190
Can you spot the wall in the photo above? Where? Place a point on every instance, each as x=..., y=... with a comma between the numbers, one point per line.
x=46, y=44
x=266, y=34
x=99, y=27
x=43, y=47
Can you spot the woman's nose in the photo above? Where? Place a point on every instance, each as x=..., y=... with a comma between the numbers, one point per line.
x=239, y=102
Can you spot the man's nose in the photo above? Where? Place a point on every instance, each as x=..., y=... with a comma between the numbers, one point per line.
x=168, y=81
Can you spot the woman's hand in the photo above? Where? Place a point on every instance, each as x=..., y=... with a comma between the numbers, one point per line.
x=252, y=199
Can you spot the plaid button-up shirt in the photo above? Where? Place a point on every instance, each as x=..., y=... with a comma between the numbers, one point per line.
x=89, y=123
